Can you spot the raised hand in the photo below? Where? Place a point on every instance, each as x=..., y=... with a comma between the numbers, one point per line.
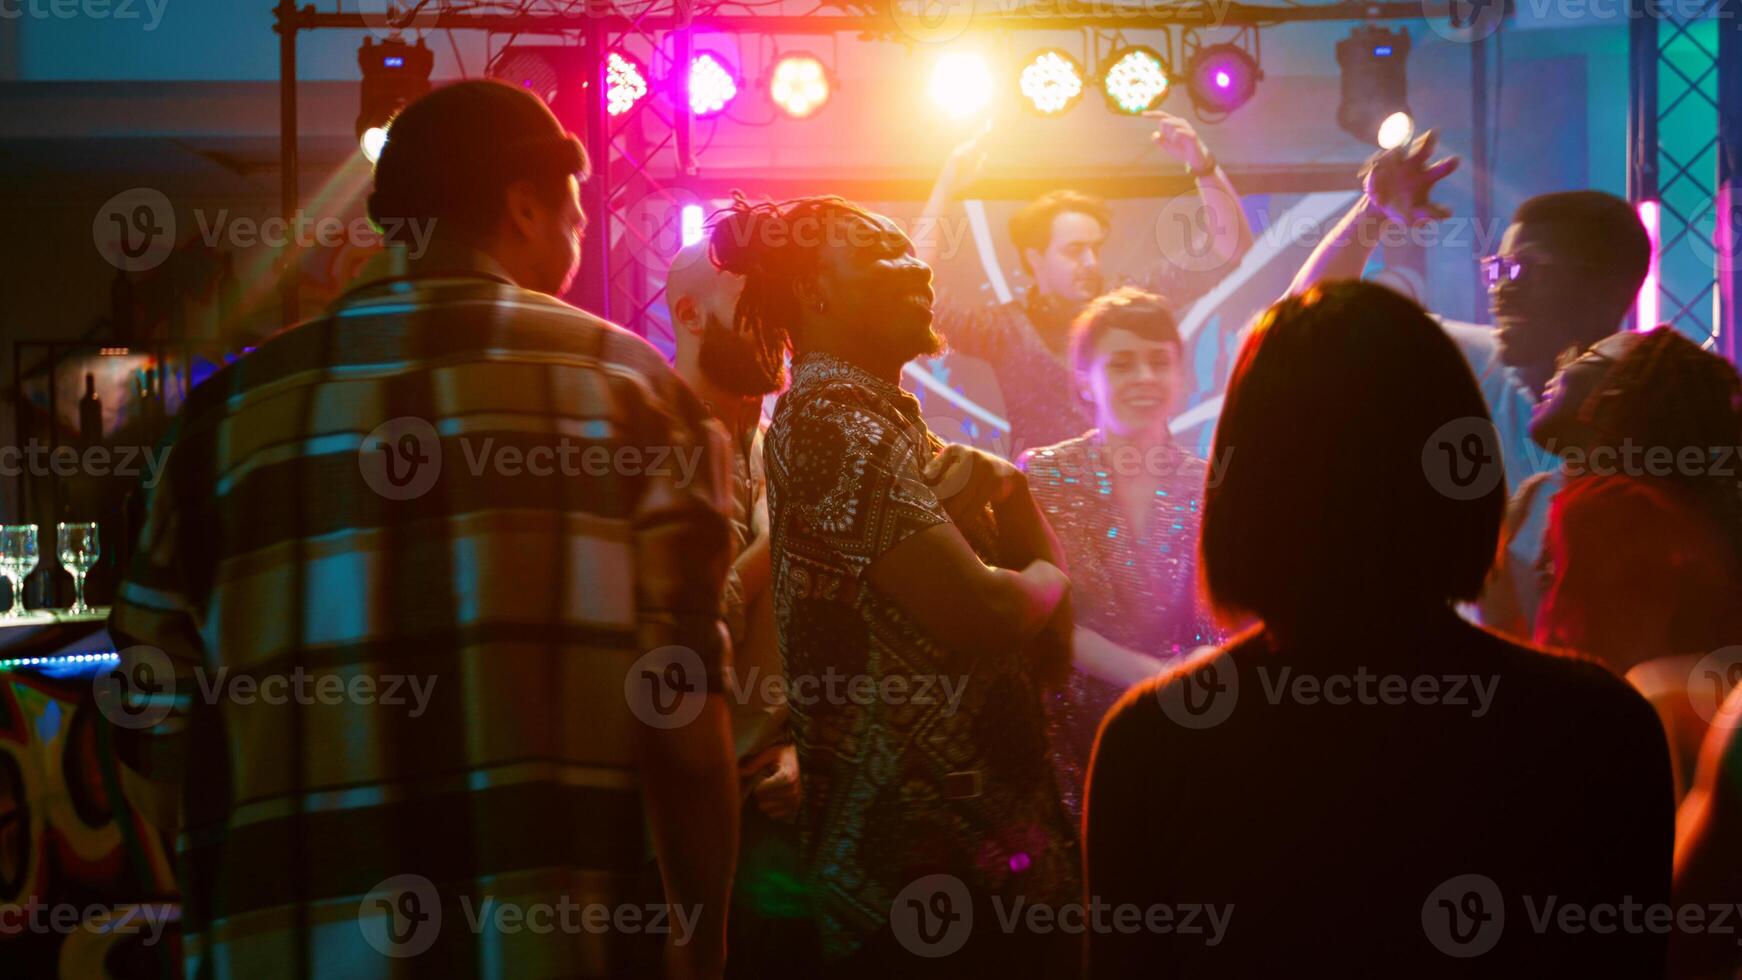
x=1178, y=139
x=966, y=162
x=1398, y=181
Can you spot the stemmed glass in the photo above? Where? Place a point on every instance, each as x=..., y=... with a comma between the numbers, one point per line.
x=78, y=552
x=17, y=560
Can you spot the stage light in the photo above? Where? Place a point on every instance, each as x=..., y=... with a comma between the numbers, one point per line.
x=712, y=85
x=961, y=83
x=394, y=73
x=799, y=85
x=373, y=139
x=1051, y=82
x=1374, y=62
x=1135, y=80
x=1397, y=129
x=1221, y=78
x=625, y=83
x=692, y=224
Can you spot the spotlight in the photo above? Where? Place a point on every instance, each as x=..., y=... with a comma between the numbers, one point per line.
x=1135, y=80
x=1396, y=130
x=712, y=85
x=1375, y=66
x=394, y=73
x=961, y=84
x=625, y=83
x=799, y=85
x=1221, y=78
x=373, y=140
x=1052, y=82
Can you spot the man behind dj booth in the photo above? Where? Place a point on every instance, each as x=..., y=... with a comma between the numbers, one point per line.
x=383, y=500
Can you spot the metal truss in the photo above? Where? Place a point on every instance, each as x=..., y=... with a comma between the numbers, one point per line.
x=1683, y=115
x=645, y=164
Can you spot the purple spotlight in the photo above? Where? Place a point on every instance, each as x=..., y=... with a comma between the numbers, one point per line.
x=1019, y=862
x=1221, y=78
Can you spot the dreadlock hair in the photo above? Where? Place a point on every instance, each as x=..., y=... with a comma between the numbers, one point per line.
x=773, y=246
x=1669, y=392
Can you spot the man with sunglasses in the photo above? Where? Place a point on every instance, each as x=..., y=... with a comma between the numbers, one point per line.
x=1568, y=270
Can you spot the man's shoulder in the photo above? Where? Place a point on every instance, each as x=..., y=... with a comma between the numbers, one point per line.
x=1474, y=340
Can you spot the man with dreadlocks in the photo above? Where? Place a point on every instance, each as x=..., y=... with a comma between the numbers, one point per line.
x=919, y=601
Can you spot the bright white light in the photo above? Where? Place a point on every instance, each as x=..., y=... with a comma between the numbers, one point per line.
x=624, y=84
x=374, y=139
x=690, y=221
x=961, y=84
x=799, y=85
x=1136, y=81
x=711, y=85
x=1650, y=215
x=1396, y=130
x=1051, y=82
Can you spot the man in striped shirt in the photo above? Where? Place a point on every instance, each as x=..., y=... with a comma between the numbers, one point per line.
x=426, y=610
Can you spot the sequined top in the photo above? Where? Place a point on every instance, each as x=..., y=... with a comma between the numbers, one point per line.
x=1137, y=590
x=948, y=773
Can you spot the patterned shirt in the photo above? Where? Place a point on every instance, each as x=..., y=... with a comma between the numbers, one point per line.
x=948, y=773
x=457, y=511
x=1137, y=589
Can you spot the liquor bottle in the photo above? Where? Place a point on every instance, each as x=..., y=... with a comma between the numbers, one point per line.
x=90, y=414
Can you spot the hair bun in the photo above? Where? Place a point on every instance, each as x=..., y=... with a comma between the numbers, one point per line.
x=744, y=235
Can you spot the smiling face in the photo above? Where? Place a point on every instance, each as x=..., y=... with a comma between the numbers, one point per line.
x=1069, y=268
x=875, y=295
x=1558, y=299
x=1134, y=382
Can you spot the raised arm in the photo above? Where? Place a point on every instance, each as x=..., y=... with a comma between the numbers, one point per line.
x=1395, y=185
x=1230, y=233
x=961, y=168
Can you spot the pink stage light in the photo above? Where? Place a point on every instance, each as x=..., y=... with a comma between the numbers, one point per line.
x=1650, y=216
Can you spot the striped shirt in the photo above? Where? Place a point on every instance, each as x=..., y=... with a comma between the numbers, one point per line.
x=401, y=565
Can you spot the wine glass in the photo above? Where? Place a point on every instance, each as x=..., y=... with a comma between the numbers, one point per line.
x=17, y=560
x=78, y=552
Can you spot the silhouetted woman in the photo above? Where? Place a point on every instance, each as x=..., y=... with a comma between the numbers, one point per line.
x=1340, y=791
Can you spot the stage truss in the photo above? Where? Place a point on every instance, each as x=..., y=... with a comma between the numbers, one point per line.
x=646, y=164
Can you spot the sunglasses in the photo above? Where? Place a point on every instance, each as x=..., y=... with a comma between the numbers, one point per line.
x=1499, y=269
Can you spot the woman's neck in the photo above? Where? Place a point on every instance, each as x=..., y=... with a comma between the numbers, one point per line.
x=1142, y=440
